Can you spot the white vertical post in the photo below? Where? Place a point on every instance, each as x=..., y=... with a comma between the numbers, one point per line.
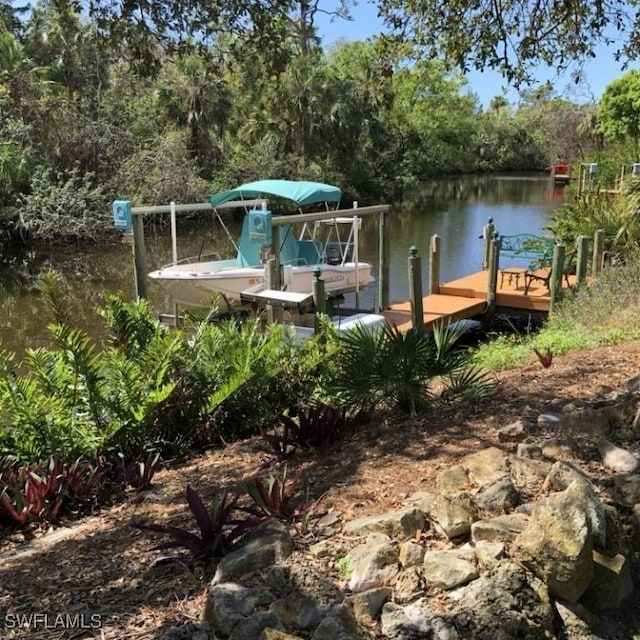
x=174, y=253
x=174, y=239
x=356, y=254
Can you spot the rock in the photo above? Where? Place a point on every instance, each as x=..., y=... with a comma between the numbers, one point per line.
x=562, y=474
x=486, y=466
x=503, y=604
x=617, y=459
x=411, y=554
x=297, y=611
x=500, y=528
x=454, y=478
x=454, y=513
x=284, y=580
x=611, y=583
x=409, y=585
x=555, y=448
x=339, y=625
x=626, y=490
x=557, y=546
x=450, y=568
x=528, y=450
x=367, y=605
x=577, y=621
x=529, y=473
x=373, y=565
x=267, y=544
x=402, y=523
x=553, y=421
x=228, y=603
x=488, y=553
x=587, y=421
x=272, y=634
x=422, y=500
x=190, y=631
x=514, y=432
x=251, y=628
x=497, y=497
x=583, y=495
x=633, y=384
x=416, y=621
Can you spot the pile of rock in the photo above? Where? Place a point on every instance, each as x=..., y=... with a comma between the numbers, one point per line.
x=511, y=545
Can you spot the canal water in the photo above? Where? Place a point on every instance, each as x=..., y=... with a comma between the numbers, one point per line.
x=455, y=209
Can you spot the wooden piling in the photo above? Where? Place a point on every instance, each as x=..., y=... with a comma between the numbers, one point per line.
x=415, y=288
x=139, y=257
x=583, y=257
x=434, y=264
x=272, y=274
x=598, y=251
x=492, y=273
x=383, y=267
x=319, y=296
x=487, y=234
x=557, y=273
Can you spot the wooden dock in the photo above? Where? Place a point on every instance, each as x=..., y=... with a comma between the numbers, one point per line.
x=466, y=297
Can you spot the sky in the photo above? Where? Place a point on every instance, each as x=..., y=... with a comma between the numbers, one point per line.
x=598, y=72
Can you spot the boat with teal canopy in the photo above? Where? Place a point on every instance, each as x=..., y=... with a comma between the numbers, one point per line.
x=300, y=192
x=330, y=244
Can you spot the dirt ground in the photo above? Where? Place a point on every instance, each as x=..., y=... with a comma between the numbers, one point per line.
x=104, y=567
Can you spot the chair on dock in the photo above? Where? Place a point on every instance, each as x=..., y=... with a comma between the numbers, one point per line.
x=541, y=271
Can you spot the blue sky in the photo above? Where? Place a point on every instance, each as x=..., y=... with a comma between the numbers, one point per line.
x=598, y=72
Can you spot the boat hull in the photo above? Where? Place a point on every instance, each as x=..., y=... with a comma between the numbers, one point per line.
x=204, y=284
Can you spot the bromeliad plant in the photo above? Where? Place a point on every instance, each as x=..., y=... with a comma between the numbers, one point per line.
x=218, y=528
x=312, y=425
x=279, y=499
x=44, y=493
x=390, y=369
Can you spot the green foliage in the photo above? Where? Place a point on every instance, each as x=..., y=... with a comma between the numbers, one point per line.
x=619, y=109
x=604, y=313
x=512, y=37
x=392, y=369
x=592, y=212
x=64, y=206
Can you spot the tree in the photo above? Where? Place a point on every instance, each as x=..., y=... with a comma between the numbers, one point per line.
x=513, y=36
x=619, y=109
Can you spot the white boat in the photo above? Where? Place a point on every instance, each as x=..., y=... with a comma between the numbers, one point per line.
x=331, y=244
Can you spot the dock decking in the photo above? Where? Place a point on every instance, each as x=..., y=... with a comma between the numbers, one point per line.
x=466, y=297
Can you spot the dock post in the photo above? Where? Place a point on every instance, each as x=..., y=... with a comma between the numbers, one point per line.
x=415, y=289
x=598, y=251
x=272, y=273
x=492, y=274
x=583, y=256
x=557, y=273
x=434, y=265
x=487, y=235
x=139, y=257
x=383, y=267
x=319, y=297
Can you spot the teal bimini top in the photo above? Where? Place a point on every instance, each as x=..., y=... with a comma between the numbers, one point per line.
x=300, y=192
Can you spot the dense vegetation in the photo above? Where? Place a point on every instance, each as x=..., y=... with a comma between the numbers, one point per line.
x=93, y=109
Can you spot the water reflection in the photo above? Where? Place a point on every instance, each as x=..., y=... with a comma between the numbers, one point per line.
x=455, y=209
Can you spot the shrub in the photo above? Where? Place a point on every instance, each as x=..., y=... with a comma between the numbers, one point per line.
x=64, y=206
x=391, y=369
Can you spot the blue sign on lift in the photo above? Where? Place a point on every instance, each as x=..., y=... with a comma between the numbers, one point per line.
x=122, y=217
